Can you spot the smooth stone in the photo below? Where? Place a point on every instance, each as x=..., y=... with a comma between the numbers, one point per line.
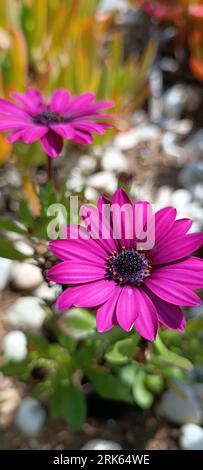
x=174, y=100
x=168, y=64
x=46, y=292
x=30, y=417
x=103, y=180
x=5, y=272
x=194, y=147
x=163, y=197
x=108, y=6
x=198, y=389
x=91, y=194
x=87, y=164
x=180, y=97
x=198, y=192
x=114, y=160
x=180, y=198
x=180, y=405
x=26, y=313
x=24, y=248
x=144, y=132
x=191, y=437
x=170, y=146
x=15, y=345
x=181, y=127
x=76, y=180
x=26, y=276
x=101, y=444
x=191, y=174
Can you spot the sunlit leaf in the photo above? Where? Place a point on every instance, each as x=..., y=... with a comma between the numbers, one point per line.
x=8, y=251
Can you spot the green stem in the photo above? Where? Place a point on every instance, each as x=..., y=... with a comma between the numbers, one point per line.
x=50, y=173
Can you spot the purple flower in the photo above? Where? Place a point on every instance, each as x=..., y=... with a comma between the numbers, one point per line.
x=64, y=117
x=131, y=287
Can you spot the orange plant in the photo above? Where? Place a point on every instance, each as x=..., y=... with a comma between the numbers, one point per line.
x=187, y=15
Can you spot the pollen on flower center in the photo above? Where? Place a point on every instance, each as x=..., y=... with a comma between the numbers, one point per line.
x=47, y=117
x=128, y=267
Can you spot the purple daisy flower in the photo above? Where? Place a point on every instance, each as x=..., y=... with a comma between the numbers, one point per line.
x=131, y=287
x=64, y=117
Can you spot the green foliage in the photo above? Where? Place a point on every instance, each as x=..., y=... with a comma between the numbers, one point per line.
x=68, y=402
x=8, y=251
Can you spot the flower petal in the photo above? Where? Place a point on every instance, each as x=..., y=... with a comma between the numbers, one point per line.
x=173, y=292
x=86, y=295
x=52, y=144
x=69, y=272
x=122, y=218
x=106, y=314
x=174, y=249
x=187, y=272
x=32, y=101
x=164, y=221
x=146, y=322
x=127, y=311
x=60, y=101
x=83, y=249
x=98, y=227
x=33, y=133
x=170, y=316
x=83, y=138
x=7, y=108
x=64, y=130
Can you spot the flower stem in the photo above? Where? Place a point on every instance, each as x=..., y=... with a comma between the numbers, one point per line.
x=49, y=169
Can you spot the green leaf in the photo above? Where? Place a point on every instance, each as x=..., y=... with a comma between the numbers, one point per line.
x=108, y=385
x=80, y=319
x=127, y=373
x=142, y=396
x=11, y=226
x=195, y=325
x=68, y=403
x=19, y=370
x=8, y=251
x=154, y=383
x=121, y=351
x=169, y=357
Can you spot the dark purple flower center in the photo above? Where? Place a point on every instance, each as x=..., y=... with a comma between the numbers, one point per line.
x=47, y=117
x=128, y=267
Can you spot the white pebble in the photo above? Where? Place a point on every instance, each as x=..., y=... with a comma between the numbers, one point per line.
x=5, y=272
x=133, y=137
x=26, y=313
x=26, y=276
x=114, y=160
x=87, y=164
x=15, y=345
x=180, y=405
x=103, y=180
x=170, y=146
x=30, y=417
x=101, y=444
x=46, y=292
x=180, y=198
x=191, y=437
x=24, y=248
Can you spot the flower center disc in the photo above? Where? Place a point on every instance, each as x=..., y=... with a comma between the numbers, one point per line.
x=128, y=267
x=47, y=117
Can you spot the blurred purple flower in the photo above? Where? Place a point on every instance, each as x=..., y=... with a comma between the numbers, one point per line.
x=64, y=117
x=133, y=288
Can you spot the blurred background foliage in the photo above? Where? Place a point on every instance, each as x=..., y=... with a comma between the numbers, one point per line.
x=68, y=43
x=187, y=16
